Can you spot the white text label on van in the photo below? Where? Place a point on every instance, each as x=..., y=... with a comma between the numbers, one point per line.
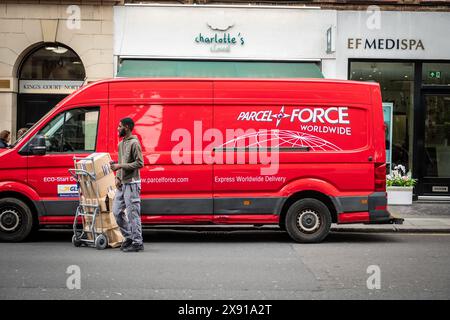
x=333, y=115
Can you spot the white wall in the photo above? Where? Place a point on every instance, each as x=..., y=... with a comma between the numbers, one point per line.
x=269, y=33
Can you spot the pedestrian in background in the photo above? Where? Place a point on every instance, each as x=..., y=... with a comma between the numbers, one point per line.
x=128, y=183
x=5, y=137
x=21, y=132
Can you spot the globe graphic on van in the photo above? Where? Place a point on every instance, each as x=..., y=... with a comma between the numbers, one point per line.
x=282, y=139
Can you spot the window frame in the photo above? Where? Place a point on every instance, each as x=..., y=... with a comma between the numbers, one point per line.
x=88, y=109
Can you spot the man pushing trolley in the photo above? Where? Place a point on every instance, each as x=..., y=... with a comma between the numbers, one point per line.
x=128, y=183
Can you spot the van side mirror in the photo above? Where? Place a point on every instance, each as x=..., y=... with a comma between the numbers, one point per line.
x=37, y=146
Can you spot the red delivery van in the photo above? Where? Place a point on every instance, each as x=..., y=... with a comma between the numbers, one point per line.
x=301, y=154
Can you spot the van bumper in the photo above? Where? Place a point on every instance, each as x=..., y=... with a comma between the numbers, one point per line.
x=371, y=209
x=378, y=212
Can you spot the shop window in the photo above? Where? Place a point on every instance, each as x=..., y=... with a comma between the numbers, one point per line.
x=396, y=81
x=437, y=135
x=436, y=73
x=52, y=62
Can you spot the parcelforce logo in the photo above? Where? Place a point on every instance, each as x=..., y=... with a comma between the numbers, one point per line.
x=333, y=115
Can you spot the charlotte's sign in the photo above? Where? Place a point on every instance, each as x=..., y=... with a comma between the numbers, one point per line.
x=221, y=40
x=49, y=86
x=384, y=44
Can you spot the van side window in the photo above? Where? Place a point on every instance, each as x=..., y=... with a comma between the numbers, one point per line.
x=72, y=131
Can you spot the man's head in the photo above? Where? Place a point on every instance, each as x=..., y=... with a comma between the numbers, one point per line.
x=126, y=125
x=5, y=135
x=21, y=132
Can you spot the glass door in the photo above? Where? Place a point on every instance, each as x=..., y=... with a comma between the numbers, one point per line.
x=434, y=176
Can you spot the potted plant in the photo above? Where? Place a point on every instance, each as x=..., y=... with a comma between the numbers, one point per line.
x=400, y=186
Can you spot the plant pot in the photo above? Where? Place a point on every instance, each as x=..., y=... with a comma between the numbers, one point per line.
x=399, y=195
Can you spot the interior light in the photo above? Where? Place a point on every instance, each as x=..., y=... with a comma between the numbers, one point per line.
x=60, y=50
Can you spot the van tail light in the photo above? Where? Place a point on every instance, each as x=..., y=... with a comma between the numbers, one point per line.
x=380, y=177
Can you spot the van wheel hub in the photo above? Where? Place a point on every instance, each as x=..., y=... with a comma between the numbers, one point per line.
x=9, y=220
x=308, y=221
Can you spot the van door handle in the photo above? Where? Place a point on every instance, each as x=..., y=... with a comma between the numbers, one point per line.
x=370, y=158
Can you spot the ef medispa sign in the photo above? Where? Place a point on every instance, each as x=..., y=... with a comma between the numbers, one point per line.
x=396, y=35
x=385, y=44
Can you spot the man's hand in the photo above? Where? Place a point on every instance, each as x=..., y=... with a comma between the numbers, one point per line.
x=115, y=166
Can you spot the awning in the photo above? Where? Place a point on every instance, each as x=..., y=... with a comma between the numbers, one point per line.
x=217, y=69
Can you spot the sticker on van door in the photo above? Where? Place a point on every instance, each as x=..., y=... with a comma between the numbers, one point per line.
x=67, y=190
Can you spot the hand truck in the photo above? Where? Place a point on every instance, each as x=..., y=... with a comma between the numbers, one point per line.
x=80, y=237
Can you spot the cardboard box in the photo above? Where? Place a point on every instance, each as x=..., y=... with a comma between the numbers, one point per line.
x=103, y=221
x=103, y=185
x=85, y=188
x=105, y=203
x=97, y=163
x=115, y=237
x=86, y=202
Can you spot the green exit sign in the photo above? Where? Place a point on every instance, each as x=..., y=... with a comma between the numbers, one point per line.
x=434, y=74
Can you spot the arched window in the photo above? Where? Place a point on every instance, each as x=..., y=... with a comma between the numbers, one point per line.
x=52, y=61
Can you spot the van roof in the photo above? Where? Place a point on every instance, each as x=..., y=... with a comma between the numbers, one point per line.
x=337, y=81
x=274, y=80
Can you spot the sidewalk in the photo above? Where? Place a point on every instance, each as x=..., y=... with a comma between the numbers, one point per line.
x=421, y=216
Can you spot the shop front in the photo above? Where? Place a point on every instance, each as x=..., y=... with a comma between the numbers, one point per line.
x=48, y=51
x=408, y=54
x=223, y=41
x=47, y=74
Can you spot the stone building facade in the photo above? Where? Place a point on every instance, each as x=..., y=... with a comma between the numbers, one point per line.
x=78, y=38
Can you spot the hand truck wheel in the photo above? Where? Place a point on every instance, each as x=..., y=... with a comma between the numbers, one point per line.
x=101, y=242
x=75, y=241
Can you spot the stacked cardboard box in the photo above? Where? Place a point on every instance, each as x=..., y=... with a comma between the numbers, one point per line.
x=98, y=164
x=99, y=190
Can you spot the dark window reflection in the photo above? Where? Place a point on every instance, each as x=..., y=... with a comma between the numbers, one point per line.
x=52, y=62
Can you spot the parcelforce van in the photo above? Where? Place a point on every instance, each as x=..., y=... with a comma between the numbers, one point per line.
x=301, y=154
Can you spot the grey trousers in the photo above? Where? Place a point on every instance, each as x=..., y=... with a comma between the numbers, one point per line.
x=128, y=197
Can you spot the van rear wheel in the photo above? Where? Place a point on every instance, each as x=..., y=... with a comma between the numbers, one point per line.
x=308, y=220
x=16, y=220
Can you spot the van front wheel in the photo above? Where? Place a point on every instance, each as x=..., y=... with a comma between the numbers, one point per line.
x=308, y=220
x=16, y=220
